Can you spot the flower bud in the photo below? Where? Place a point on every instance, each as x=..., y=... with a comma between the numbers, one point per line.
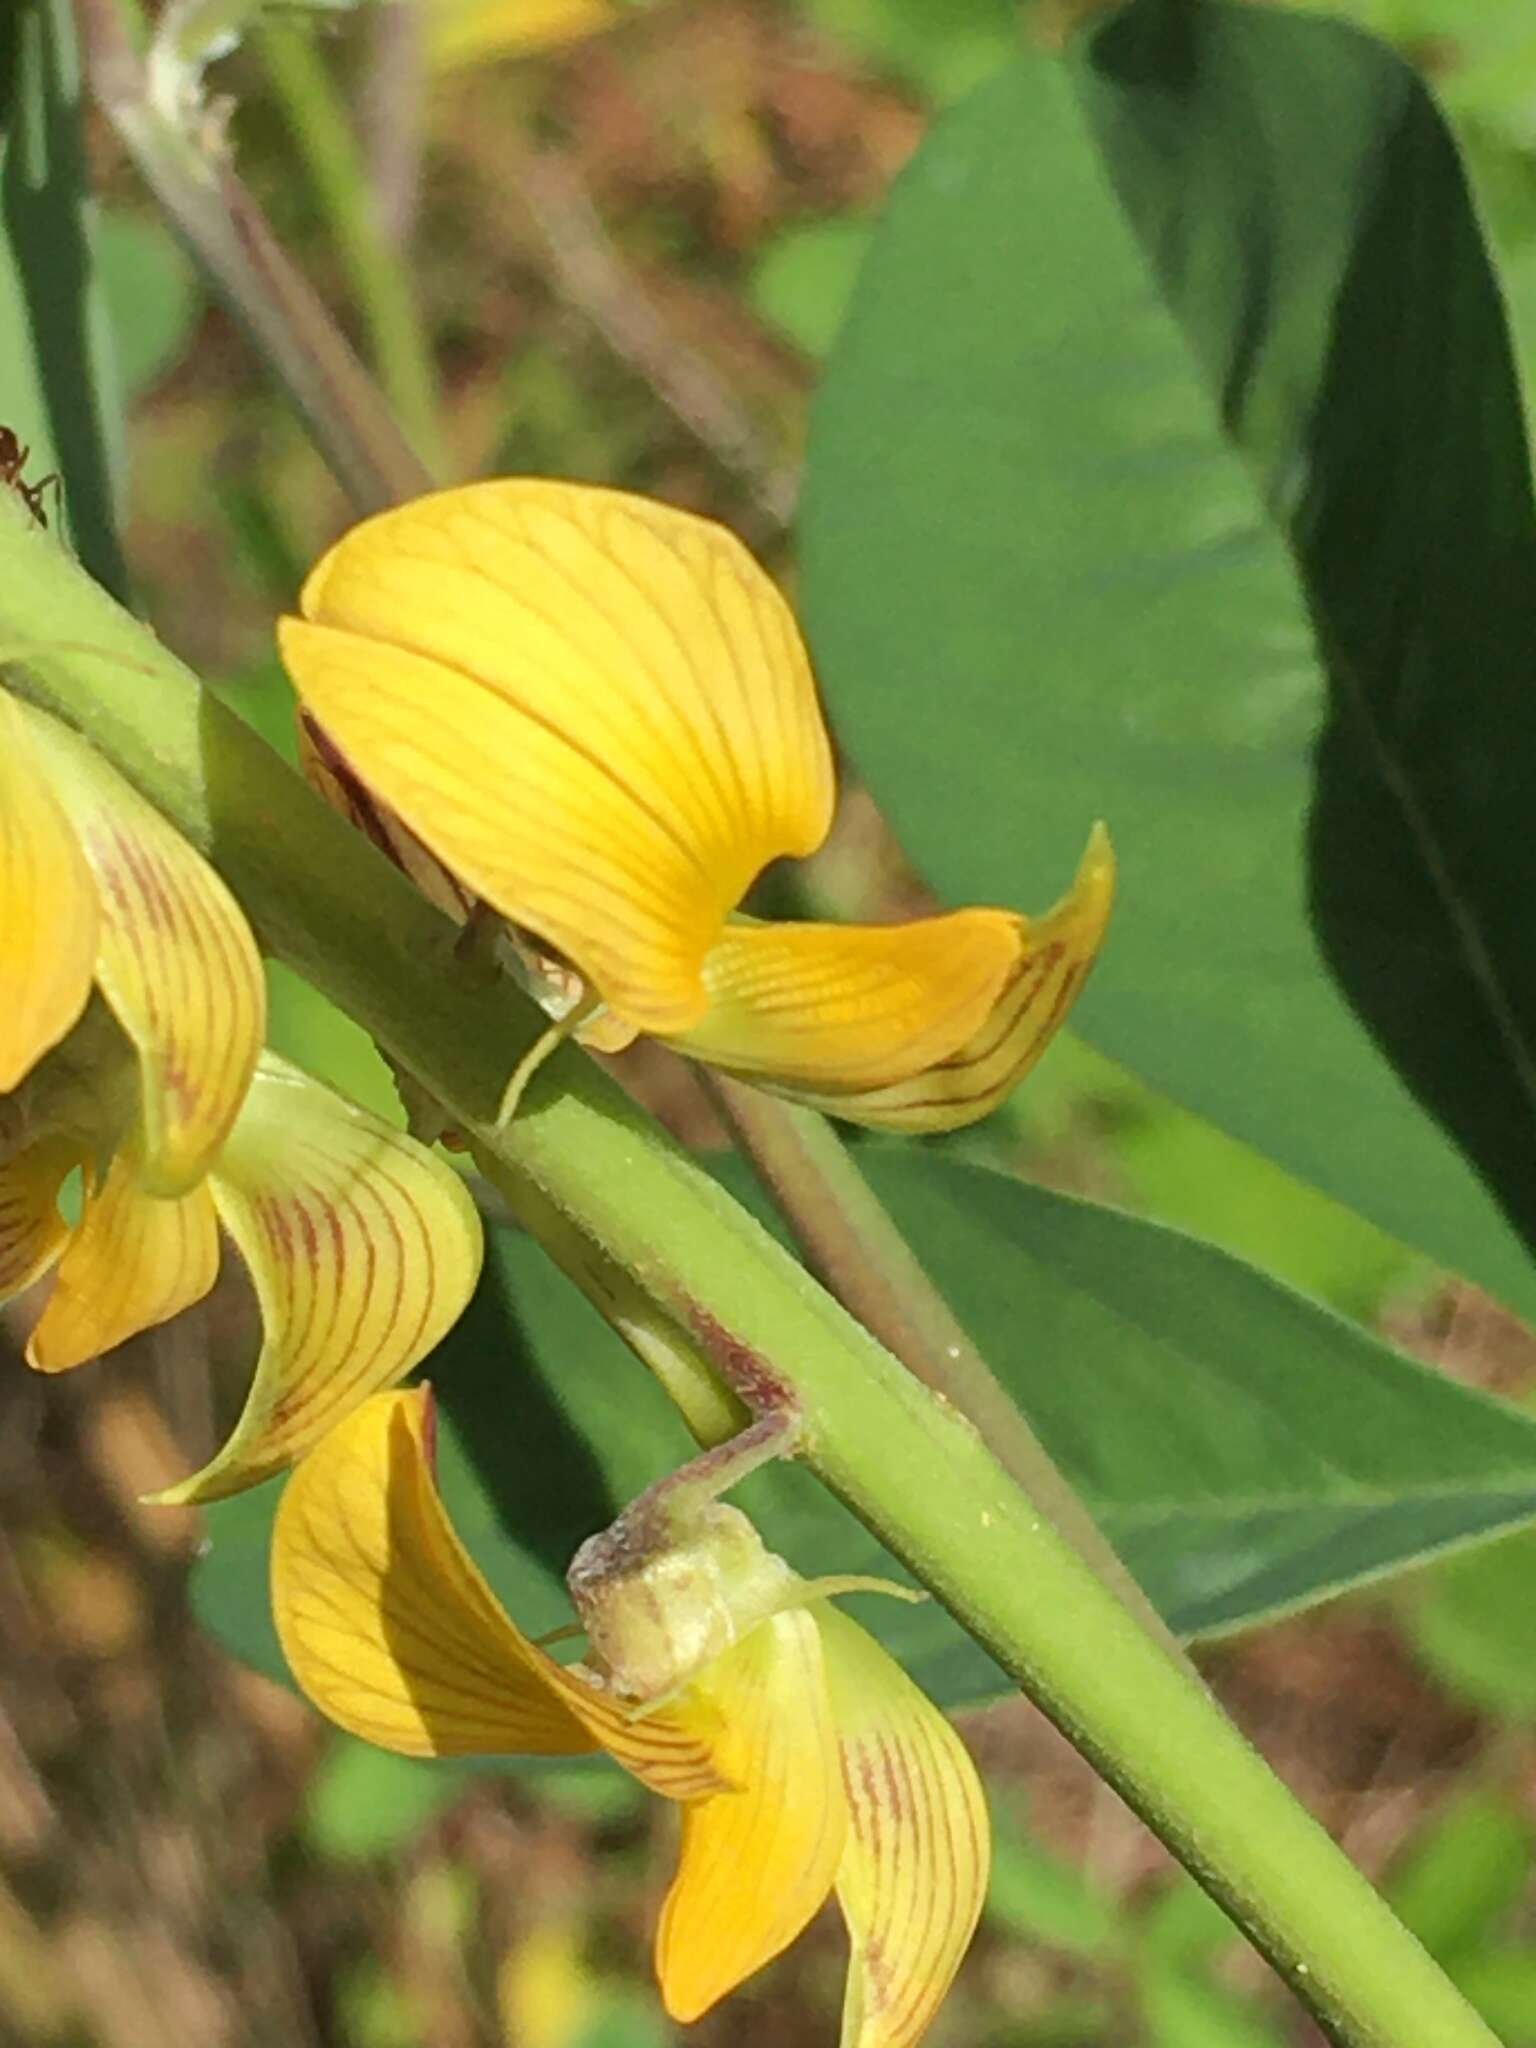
x=657, y=1612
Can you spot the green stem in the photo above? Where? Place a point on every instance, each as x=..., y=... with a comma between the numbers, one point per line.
x=857, y=1252
x=705, y=1402
x=914, y=1470
x=323, y=136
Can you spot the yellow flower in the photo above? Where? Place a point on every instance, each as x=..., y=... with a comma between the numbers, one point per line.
x=597, y=713
x=361, y=1247
x=805, y=1760
x=95, y=887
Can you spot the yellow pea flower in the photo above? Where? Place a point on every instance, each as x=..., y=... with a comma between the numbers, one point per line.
x=804, y=1759
x=598, y=715
x=362, y=1248
x=97, y=889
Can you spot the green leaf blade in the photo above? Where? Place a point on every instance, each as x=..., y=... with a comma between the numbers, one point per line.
x=1057, y=593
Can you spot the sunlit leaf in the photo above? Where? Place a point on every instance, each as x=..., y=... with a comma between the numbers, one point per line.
x=1208, y=514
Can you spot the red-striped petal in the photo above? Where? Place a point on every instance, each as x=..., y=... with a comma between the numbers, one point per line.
x=363, y=1248
x=914, y=1868
x=175, y=960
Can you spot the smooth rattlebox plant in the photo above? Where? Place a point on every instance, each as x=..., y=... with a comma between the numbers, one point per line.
x=717, y=1309
x=362, y=1248
x=600, y=700
x=598, y=715
x=804, y=1759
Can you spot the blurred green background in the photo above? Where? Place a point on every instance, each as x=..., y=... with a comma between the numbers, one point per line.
x=634, y=231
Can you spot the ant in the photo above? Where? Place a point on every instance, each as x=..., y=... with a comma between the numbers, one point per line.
x=13, y=461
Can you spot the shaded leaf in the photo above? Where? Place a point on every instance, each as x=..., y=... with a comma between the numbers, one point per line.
x=1062, y=591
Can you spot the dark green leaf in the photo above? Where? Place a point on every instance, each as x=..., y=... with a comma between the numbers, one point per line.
x=1046, y=581
x=1248, y=1451
x=1501, y=1984
x=1180, y=2010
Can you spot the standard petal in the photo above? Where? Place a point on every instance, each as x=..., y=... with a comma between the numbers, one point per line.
x=595, y=710
x=47, y=909
x=1054, y=956
x=32, y=1232
x=363, y=1249
x=914, y=1868
x=175, y=960
x=389, y=1626
x=329, y=776
x=755, y=1863
x=134, y=1260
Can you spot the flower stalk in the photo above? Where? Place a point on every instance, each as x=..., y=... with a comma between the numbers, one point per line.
x=745, y=1317
x=856, y=1251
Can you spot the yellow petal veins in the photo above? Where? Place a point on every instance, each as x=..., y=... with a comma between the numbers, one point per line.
x=328, y=775
x=32, y=1232
x=914, y=1869
x=175, y=960
x=47, y=908
x=597, y=711
x=390, y=1628
x=755, y=1864
x=133, y=1261
x=385, y=1621
x=855, y=1006
x=363, y=1249
x=1057, y=950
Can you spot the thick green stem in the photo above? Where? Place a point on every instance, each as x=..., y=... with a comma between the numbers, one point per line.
x=854, y=1248
x=672, y=1354
x=914, y=1470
